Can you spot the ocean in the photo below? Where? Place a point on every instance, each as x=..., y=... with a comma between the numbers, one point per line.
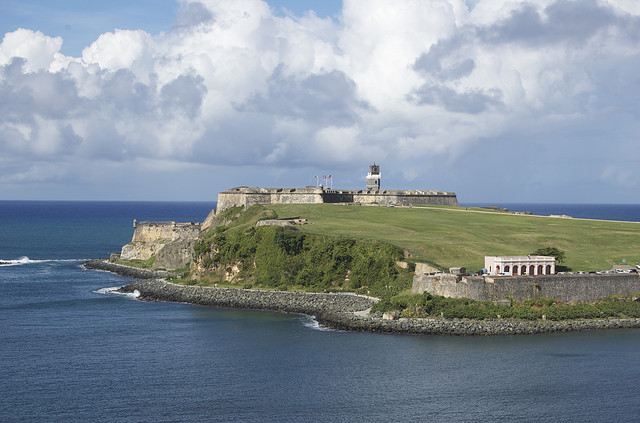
x=71, y=351
x=626, y=212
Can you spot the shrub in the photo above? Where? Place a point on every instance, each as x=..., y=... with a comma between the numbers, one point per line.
x=551, y=252
x=567, y=312
x=619, y=308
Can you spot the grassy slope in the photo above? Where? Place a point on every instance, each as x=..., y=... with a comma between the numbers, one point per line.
x=457, y=237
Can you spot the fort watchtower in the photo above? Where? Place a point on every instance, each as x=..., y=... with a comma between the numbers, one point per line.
x=373, y=178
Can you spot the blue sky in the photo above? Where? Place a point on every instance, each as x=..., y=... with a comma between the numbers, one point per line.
x=497, y=100
x=81, y=22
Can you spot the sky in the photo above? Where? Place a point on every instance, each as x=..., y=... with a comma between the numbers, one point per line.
x=500, y=101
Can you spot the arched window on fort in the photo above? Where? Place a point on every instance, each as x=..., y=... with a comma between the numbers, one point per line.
x=498, y=269
x=532, y=270
x=548, y=269
x=507, y=269
x=515, y=269
x=524, y=269
x=539, y=269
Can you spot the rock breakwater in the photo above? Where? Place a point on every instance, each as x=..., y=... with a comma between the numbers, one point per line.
x=339, y=311
x=462, y=327
x=294, y=302
x=342, y=311
x=127, y=271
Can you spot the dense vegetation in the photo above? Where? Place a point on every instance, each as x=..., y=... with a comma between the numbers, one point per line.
x=285, y=258
x=432, y=305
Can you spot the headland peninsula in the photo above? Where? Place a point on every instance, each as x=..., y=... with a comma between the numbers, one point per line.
x=402, y=261
x=353, y=266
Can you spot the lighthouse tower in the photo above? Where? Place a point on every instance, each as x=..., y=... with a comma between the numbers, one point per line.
x=373, y=178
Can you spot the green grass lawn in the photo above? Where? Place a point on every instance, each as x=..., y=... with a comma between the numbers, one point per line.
x=459, y=237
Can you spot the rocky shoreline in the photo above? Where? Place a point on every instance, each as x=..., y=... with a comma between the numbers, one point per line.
x=127, y=271
x=340, y=311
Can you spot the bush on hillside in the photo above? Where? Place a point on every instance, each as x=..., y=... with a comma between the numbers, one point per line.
x=274, y=256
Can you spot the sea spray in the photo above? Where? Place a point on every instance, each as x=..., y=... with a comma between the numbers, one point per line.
x=115, y=290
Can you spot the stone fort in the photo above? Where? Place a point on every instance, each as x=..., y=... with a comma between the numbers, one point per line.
x=372, y=194
x=172, y=243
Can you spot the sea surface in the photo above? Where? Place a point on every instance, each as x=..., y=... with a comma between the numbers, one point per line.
x=626, y=212
x=70, y=351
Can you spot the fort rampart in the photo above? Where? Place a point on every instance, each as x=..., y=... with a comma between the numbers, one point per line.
x=246, y=197
x=567, y=288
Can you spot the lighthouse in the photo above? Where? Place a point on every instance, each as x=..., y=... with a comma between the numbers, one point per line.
x=373, y=178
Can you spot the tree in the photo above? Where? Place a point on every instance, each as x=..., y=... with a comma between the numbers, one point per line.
x=551, y=252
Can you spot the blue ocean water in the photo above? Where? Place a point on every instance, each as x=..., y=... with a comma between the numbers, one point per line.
x=71, y=352
x=626, y=212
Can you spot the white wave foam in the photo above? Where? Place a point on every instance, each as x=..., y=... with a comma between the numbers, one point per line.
x=26, y=260
x=114, y=291
x=312, y=323
x=17, y=262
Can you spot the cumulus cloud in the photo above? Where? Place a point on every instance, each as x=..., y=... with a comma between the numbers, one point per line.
x=418, y=84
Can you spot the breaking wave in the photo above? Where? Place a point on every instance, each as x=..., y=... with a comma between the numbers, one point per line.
x=26, y=260
x=114, y=291
x=312, y=323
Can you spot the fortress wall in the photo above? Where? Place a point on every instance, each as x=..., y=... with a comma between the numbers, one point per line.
x=226, y=200
x=337, y=197
x=246, y=197
x=448, y=285
x=520, y=288
x=297, y=197
x=397, y=198
x=443, y=200
x=256, y=198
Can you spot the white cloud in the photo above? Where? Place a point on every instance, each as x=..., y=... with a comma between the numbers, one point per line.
x=122, y=49
x=41, y=52
x=416, y=83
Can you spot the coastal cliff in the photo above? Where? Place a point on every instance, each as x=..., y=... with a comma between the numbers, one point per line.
x=168, y=244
